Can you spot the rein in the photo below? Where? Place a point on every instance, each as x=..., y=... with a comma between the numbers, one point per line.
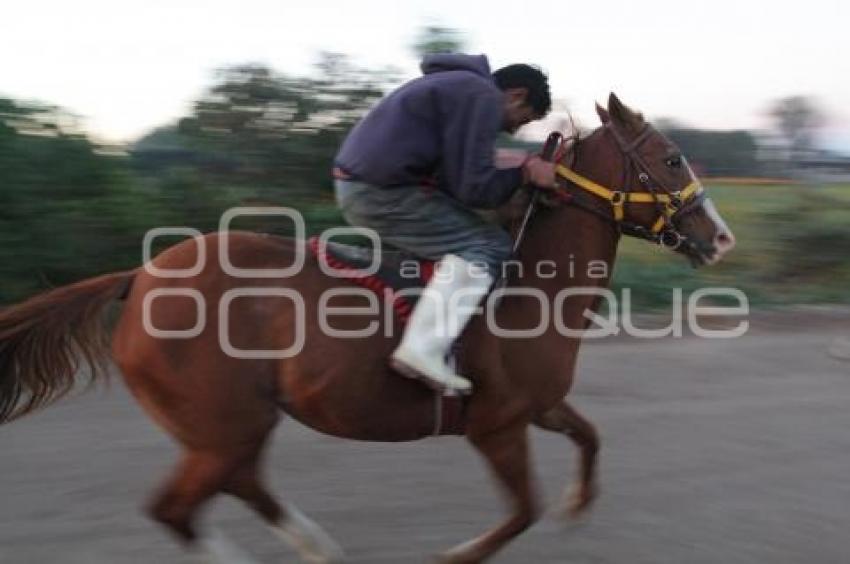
x=551, y=148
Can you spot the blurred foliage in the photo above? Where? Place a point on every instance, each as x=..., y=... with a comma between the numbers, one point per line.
x=73, y=209
x=261, y=138
x=274, y=130
x=715, y=153
x=68, y=210
x=816, y=238
x=438, y=39
x=797, y=118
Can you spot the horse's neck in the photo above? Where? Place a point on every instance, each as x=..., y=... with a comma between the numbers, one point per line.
x=567, y=254
x=564, y=250
x=581, y=244
x=567, y=248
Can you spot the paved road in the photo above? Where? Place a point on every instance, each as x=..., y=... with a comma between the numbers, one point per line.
x=714, y=451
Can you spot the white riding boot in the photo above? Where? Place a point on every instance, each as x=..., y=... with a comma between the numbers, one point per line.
x=443, y=310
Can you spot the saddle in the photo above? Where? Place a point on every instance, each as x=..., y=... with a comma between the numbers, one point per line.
x=400, y=277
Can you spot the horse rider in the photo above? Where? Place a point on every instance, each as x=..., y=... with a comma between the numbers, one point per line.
x=412, y=170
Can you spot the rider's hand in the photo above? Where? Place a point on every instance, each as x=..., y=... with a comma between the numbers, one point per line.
x=538, y=172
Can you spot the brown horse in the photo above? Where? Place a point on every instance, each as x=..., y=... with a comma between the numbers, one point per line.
x=221, y=407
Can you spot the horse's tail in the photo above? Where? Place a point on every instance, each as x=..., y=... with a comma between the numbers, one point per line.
x=43, y=340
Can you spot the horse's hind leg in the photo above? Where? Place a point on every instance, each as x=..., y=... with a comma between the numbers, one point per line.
x=201, y=475
x=563, y=418
x=308, y=538
x=217, y=446
x=198, y=477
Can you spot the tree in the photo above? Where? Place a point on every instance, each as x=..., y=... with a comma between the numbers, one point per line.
x=438, y=39
x=259, y=127
x=259, y=137
x=69, y=210
x=797, y=118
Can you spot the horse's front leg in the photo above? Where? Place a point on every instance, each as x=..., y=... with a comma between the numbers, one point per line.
x=563, y=418
x=507, y=454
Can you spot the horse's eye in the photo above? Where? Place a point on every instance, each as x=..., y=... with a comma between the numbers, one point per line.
x=673, y=162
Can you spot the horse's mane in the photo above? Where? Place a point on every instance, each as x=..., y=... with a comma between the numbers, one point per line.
x=512, y=211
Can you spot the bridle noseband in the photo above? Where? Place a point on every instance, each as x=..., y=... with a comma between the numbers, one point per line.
x=671, y=205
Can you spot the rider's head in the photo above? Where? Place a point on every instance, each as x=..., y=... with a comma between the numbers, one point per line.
x=526, y=91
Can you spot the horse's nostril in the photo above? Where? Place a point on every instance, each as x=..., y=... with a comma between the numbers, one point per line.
x=724, y=241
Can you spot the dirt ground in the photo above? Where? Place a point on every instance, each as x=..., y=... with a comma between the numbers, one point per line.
x=713, y=451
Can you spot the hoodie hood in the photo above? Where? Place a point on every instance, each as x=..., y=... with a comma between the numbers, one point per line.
x=440, y=62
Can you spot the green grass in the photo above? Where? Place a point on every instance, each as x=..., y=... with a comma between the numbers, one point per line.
x=793, y=247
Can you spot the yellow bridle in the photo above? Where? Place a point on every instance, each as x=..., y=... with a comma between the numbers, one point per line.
x=619, y=199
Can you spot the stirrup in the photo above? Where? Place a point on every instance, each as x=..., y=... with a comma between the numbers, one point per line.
x=444, y=387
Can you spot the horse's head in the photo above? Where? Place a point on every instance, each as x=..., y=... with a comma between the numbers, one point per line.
x=653, y=194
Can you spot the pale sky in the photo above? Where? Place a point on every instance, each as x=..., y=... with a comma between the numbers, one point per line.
x=129, y=66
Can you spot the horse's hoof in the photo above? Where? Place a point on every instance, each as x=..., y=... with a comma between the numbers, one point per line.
x=579, y=507
x=216, y=548
x=577, y=503
x=462, y=554
x=447, y=558
x=311, y=541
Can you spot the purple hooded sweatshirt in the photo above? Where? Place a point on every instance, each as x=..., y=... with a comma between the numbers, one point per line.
x=440, y=127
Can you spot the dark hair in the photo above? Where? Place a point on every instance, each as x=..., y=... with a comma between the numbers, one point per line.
x=526, y=76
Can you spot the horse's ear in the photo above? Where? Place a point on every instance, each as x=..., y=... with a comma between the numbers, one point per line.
x=604, y=117
x=623, y=116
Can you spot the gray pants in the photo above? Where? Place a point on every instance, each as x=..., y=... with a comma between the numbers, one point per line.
x=426, y=223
